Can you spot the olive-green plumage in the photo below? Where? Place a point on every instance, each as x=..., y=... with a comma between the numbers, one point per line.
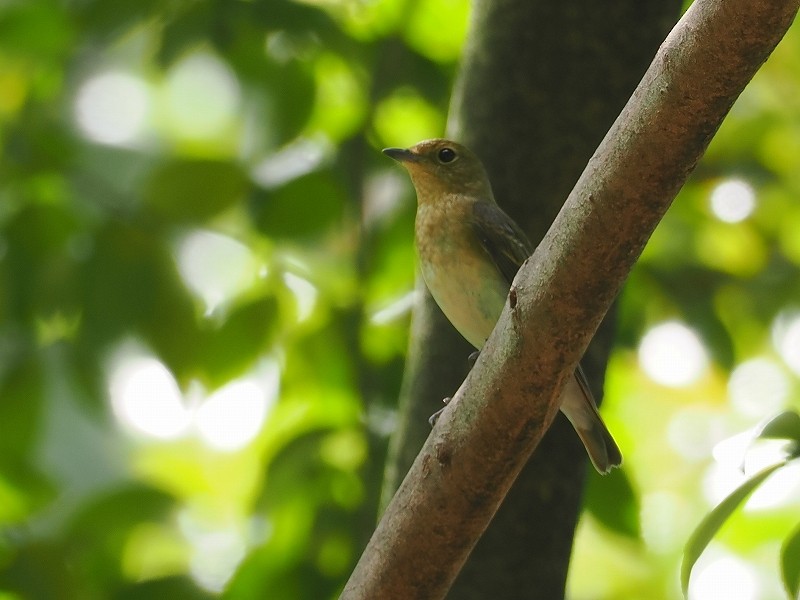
x=469, y=252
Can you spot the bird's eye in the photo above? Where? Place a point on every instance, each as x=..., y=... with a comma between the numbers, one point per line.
x=446, y=155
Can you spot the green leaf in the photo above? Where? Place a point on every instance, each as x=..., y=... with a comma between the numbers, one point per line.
x=715, y=519
x=22, y=390
x=231, y=348
x=36, y=29
x=194, y=190
x=186, y=29
x=130, y=280
x=613, y=501
x=304, y=207
x=117, y=282
x=785, y=426
x=107, y=518
x=790, y=563
x=131, y=285
x=24, y=488
x=171, y=328
x=41, y=274
x=37, y=569
x=108, y=18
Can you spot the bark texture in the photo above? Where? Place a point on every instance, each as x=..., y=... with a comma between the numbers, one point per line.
x=500, y=413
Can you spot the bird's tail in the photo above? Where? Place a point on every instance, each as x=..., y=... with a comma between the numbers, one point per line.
x=579, y=407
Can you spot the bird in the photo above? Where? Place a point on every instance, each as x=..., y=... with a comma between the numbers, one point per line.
x=469, y=251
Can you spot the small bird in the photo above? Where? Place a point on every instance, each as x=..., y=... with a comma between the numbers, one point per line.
x=469, y=252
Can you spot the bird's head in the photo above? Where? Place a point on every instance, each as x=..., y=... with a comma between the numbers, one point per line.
x=441, y=167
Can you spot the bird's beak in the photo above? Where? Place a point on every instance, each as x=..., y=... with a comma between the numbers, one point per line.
x=401, y=154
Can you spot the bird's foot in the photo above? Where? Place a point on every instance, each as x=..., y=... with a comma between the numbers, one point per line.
x=435, y=416
x=473, y=358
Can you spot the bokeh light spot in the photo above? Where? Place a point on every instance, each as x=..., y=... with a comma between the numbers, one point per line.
x=672, y=354
x=733, y=200
x=405, y=117
x=730, y=452
x=146, y=397
x=112, y=107
x=201, y=97
x=305, y=294
x=694, y=430
x=724, y=577
x=345, y=450
x=335, y=554
x=154, y=550
x=298, y=158
x=232, y=416
x=720, y=479
x=665, y=520
x=780, y=488
x=740, y=457
x=397, y=309
x=758, y=387
x=215, y=267
x=216, y=552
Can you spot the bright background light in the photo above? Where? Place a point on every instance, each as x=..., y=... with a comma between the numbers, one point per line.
x=215, y=267
x=305, y=294
x=232, y=416
x=296, y=159
x=694, y=430
x=782, y=488
x=672, y=354
x=201, y=98
x=145, y=396
x=113, y=107
x=724, y=577
x=738, y=458
x=216, y=551
x=147, y=400
x=665, y=517
x=733, y=200
x=758, y=387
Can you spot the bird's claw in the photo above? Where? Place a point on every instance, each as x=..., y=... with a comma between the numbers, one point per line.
x=435, y=416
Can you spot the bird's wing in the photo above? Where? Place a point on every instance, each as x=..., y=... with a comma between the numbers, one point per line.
x=501, y=238
x=580, y=376
x=508, y=247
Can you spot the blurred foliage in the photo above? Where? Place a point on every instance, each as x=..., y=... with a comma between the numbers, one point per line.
x=206, y=273
x=785, y=426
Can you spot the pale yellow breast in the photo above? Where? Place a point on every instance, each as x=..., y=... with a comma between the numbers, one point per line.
x=458, y=272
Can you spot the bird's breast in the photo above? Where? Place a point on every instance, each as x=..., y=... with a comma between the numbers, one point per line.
x=459, y=274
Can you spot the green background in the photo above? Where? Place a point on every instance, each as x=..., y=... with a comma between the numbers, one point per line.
x=206, y=277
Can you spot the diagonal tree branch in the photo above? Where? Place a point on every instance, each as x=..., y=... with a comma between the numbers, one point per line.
x=510, y=398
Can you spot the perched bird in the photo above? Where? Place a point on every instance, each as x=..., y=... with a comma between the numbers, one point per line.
x=469, y=252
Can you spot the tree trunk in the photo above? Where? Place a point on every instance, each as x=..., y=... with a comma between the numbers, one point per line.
x=540, y=85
